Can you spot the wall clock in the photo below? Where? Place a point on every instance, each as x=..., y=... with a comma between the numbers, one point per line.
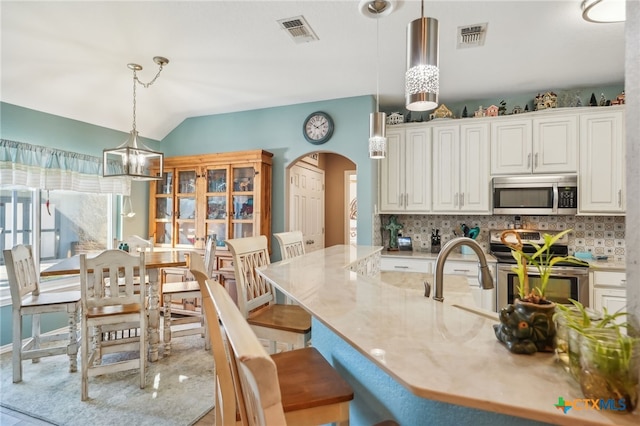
x=318, y=127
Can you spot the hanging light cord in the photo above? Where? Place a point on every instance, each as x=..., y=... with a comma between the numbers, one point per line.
x=378, y=63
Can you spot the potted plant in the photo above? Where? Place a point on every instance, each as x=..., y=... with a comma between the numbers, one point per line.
x=527, y=325
x=609, y=367
x=603, y=356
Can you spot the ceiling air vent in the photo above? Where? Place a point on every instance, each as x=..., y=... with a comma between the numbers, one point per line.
x=299, y=29
x=472, y=35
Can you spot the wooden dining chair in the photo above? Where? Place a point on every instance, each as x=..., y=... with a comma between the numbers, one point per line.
x=285, y=323
x=291, y=244
x=186, y=290
x=106, y=308
x=225, y=408
x=24, y=285
x=297, y=387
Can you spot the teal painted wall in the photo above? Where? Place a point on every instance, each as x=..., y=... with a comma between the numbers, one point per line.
x=279, y=130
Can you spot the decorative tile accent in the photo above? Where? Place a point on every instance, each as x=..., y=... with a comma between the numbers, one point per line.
x=600, y=235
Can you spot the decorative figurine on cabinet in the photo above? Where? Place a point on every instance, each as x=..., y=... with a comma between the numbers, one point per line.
x=545, y=101
x=492, y=111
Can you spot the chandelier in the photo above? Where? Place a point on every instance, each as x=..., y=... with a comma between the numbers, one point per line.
x=133, y=159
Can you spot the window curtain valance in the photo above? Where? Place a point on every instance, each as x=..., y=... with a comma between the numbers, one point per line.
x=33, y=166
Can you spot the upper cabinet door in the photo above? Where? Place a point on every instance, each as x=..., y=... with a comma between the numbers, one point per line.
x=511, y=146
x=601, y=181
x=475, y=180
x=418, y=170
x=405, y=174
x=392, y=173
x=555, y=144
x=461, y=179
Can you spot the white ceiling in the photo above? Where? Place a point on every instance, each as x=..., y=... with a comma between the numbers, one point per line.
x=70, y=58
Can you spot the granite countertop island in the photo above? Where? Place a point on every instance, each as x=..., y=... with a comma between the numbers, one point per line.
x=444, y=352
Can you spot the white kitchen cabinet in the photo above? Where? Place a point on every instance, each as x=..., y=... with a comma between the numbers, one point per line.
x=461, y=179
x=406, y=264
x=510, y=146
x=485, y=299
x=608, y=290
x=405, y=174
x=546, y=143
x=601, y=180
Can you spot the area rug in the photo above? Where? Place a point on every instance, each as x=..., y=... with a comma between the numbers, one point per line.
x=179, y=390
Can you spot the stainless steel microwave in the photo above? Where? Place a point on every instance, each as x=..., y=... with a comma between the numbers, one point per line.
x=535, y=195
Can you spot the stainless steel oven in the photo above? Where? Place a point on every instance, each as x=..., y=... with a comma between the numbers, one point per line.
x=566, y=282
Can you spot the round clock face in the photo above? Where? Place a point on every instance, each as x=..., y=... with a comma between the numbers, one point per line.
x=318, y=128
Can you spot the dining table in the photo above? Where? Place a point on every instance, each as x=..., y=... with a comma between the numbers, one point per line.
x=154, y=262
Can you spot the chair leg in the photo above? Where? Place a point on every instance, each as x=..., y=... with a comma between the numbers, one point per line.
x=35, y=333
x=72, y=349
x=16, y=357
x=144, y=338
x=84, y=355
x=167, y=324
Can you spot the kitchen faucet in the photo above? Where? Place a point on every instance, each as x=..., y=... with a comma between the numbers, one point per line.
x=484, y=275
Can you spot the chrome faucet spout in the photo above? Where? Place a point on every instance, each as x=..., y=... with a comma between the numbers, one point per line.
x=484, y=275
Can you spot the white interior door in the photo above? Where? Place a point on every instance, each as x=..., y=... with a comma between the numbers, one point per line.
x=306, y=205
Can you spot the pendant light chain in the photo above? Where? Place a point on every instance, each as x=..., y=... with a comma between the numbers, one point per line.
x=145, y=85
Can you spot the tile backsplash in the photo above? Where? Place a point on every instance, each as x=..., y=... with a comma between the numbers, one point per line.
x=601, y=235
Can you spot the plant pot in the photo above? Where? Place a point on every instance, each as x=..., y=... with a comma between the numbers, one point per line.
x=610, y=368
x=567, y=341
x=526, y=328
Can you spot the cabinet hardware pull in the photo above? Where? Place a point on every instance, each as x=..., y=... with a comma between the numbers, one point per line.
x=406, y=199
x=536, y=161
x=529, y=160
x=461, y=270
x=619, y=197
x=455, y=200
x=401, y=267
x=462, y=199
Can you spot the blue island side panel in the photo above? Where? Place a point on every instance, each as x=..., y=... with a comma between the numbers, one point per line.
x=379, y=397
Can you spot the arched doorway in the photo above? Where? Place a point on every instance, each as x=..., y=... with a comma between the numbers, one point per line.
x=320, y=194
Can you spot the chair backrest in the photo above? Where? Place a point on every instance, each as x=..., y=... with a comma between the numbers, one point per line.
x=136, y=243
x=225, y=403
x=291, y=244
x=21, y=272
x=112, y=264
x=210, y=255
x=253, y=290
x=255, y=374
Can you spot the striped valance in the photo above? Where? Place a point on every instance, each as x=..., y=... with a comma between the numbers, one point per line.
x=32, y=166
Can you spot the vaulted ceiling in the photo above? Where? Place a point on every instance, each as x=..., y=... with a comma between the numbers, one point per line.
x=70, y=58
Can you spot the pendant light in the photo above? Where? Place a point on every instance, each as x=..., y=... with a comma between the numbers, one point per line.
x=603, y=11
x=377, y=120
x=133, y=159
x=422, y=79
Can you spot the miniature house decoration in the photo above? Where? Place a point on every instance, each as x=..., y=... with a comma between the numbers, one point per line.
x=491, y=111
x=545, y=101
x=394, y=118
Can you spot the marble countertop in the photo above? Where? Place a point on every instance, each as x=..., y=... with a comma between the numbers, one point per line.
x=441, y=351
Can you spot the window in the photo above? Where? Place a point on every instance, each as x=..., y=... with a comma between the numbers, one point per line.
x=69, y=223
